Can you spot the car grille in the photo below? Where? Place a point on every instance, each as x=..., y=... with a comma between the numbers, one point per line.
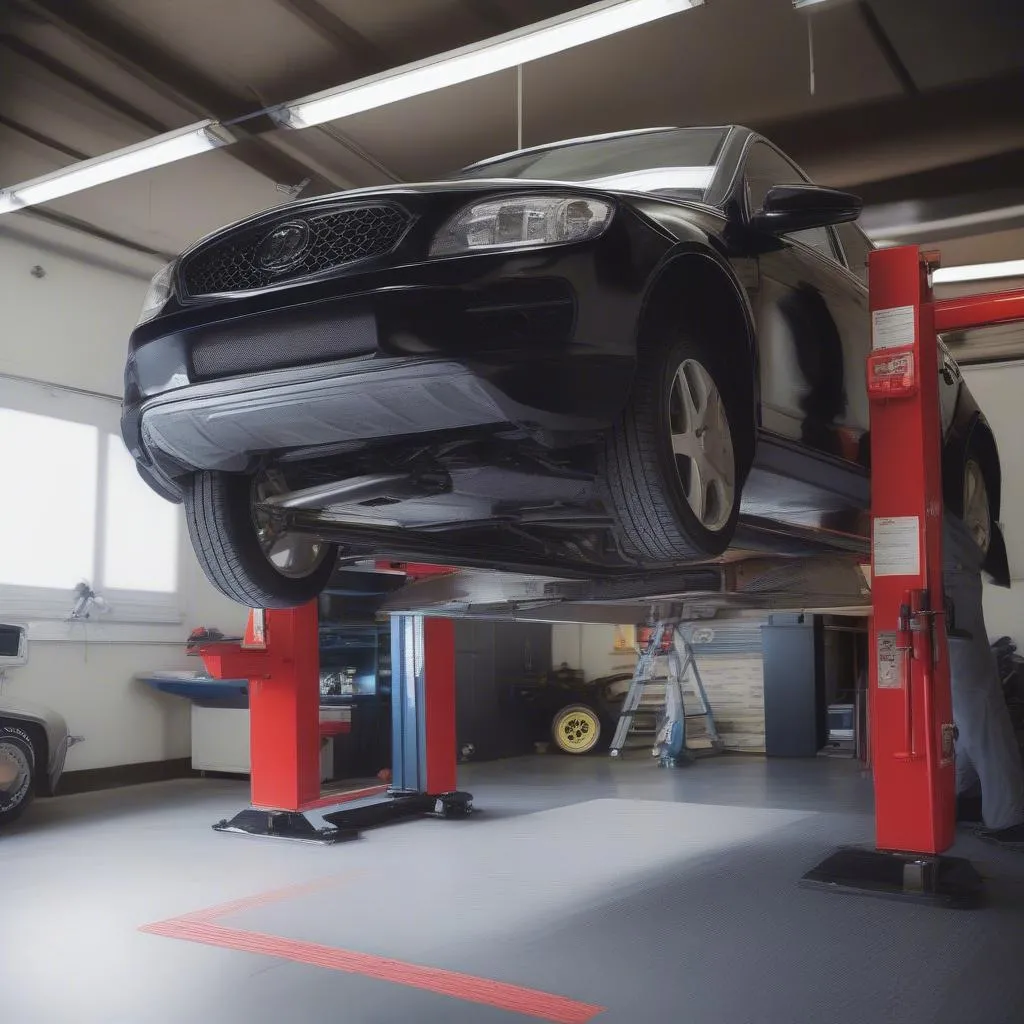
x=321, y=241
x=294, y=337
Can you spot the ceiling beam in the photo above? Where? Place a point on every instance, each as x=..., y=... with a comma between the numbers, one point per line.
x=1003, y=172
x=991, y=104
x=887, y=48
x=60, y=70
x=364, y=55
x=44, y=140
x=177, y=81
x=83, y=227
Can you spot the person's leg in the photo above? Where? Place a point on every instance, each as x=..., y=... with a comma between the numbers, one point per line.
x=986, y=733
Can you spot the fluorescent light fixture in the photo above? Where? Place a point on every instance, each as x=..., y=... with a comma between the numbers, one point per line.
x=816, y=5
x=143, y=156
x=978, y=272
x=463, y=65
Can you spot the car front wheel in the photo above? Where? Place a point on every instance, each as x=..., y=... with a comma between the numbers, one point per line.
x=243, y=552
x=672, y=466
x=17, y=772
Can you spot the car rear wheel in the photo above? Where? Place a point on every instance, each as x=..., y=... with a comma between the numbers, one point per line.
x=672, y=466
x=243, y=552
x=17, y=772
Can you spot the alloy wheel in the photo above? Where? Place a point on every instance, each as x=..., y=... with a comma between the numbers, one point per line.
x=702, y=446
x=293, y=555
x=578, y=731
x=15, y=774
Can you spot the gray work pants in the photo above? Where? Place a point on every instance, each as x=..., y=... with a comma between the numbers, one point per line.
x=986, y=747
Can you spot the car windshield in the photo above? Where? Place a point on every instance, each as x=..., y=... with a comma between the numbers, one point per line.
x=677, y=161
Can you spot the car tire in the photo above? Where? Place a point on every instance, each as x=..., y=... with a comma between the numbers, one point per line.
x=17, y=761
x=576, y=729
x=667, y=511
x=221, y=523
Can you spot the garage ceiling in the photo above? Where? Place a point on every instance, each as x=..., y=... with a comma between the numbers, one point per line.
x=918, y=105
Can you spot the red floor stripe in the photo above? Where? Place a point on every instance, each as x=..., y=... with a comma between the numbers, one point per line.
x=266, y=898
x=526, y=1001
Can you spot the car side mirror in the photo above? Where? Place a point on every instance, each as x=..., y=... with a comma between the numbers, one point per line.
x=798, y=207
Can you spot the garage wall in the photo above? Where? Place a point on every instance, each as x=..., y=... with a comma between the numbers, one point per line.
x=589, y=646
x=999, y=389
x=69, y=326
x=730, y=666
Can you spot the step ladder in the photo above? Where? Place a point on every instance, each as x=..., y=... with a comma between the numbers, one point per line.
x=683, y=731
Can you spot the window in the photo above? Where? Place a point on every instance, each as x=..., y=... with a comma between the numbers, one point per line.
x=140, y=546
x=74, y=508
x=48, y=507
x=766, y=167
x=856, y=247
x=679, y=161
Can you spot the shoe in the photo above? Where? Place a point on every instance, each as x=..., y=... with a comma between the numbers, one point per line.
x=1011, y=838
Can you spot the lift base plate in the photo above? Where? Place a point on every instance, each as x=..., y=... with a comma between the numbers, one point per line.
x=950, y=882
x=397, y=806
x=282, y=825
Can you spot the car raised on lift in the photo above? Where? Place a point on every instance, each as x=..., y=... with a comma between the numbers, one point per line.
x=610, y=355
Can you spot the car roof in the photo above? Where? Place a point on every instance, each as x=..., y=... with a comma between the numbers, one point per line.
x=597, y=138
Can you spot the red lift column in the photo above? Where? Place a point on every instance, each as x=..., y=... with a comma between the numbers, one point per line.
x=911, y=706
x=911, y=714
x=279, y=656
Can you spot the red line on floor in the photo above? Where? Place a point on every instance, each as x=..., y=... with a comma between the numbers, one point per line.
x=526, y=1001
x=265, y=898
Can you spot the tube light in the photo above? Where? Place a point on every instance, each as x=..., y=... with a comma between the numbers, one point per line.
x=143, y=156
x=978, y=272
x=463, y=65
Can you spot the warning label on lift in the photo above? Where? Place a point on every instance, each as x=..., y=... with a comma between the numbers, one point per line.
x=896, y=546
x=892, y=328
x=888, y=662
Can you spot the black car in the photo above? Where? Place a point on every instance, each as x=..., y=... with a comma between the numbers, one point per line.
x=600, y=356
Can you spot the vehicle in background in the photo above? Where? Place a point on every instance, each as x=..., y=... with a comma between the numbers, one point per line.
x=609, y=355
x=34, y=740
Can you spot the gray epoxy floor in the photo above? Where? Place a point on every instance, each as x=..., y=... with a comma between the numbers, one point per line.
x=657, y=895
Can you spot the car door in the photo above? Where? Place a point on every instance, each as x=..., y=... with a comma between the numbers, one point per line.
x=812, y=323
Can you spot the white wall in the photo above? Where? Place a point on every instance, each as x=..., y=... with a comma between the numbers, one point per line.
x=999, y=389
x=589, y=646
x=71, y=327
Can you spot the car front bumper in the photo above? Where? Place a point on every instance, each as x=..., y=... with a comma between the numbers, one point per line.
x=537, y=341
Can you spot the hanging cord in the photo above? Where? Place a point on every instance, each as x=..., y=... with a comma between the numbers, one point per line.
x=810, y=50
x=519, y=106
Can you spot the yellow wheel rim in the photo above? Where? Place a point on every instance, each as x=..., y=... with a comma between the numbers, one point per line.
x=577, y=731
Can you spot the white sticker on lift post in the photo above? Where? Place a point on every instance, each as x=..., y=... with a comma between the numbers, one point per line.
x=888, y=663
x=896, y=546
x=892, y=328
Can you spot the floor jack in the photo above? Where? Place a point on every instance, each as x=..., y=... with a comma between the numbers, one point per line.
x=278, y=656
x=912, y=730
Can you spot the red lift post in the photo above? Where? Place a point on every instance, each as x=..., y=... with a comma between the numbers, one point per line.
x=279, y=656
x=910, y=701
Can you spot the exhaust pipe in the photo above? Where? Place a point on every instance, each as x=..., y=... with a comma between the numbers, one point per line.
x=350, y=492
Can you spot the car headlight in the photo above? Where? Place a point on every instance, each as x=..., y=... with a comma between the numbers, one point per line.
x=158, y=293
x=515, y=222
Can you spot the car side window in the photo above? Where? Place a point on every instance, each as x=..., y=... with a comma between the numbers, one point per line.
x=856, y=247
x=765, y=168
